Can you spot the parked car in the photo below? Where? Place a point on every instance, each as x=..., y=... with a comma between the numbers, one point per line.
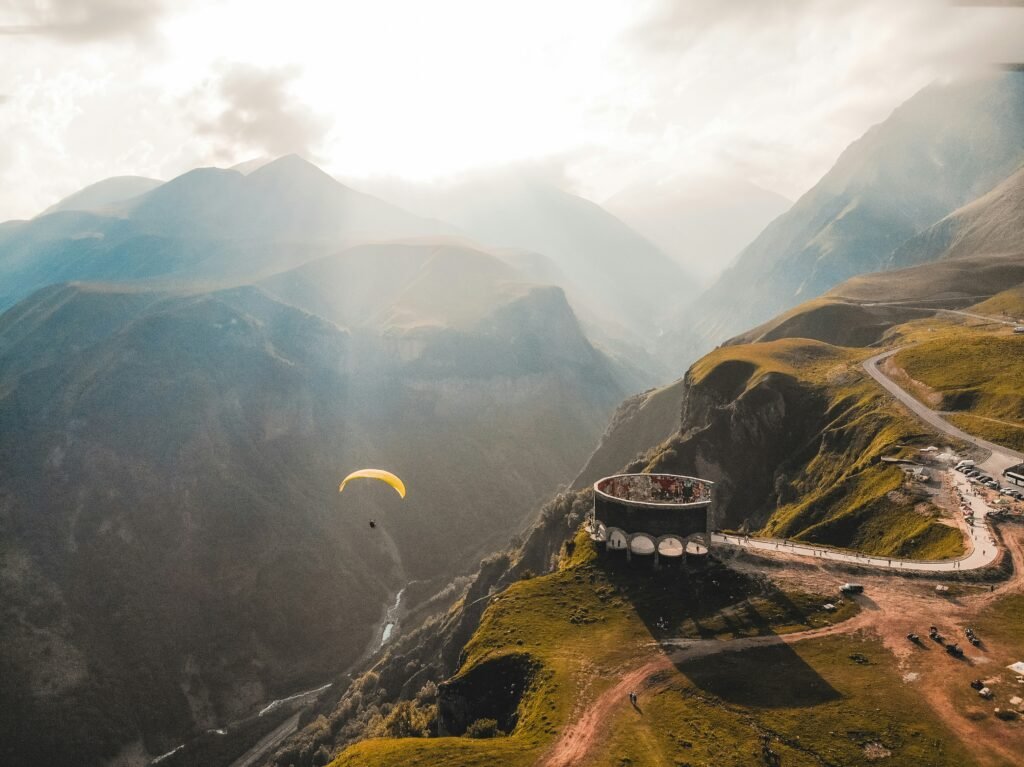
x=992, y=484
x=852, y=588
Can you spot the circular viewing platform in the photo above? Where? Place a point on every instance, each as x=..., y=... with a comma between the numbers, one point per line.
x=664, y=515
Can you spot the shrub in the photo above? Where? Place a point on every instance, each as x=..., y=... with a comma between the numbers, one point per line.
x=484, y=728
x=427, y=693
x=406, y=720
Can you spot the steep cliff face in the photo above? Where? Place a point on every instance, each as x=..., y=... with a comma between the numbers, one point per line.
x=489, y=690
x=793, y=432
x=742, y=430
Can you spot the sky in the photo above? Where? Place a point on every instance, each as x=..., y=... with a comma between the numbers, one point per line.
x=605, y=94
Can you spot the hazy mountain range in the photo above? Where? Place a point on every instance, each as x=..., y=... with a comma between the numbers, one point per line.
x=176, y=552
x=790, y=427
x=188, y=368
x=701, y=223
x=610, y=269
x=943, y=148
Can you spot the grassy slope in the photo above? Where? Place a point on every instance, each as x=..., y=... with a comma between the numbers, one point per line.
x=1009, y=301
x=699, y=712
x=977, y=374
x=816, y=706
x=843, y=495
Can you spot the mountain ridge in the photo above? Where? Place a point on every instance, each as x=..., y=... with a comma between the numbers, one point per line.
x=939, y=150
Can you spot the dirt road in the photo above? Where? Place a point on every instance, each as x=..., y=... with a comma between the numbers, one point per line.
x=584, y=732
x=894, y=608
x=999, y=457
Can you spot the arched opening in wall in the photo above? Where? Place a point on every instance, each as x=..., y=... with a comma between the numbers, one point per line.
x=670, y=546
x=641, y=544
x=696, y=547
x=617, y=540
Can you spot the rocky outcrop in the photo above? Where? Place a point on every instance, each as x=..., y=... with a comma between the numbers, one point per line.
x=744, y=435
x=489, y=690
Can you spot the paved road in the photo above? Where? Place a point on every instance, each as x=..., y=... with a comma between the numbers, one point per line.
x=983, y=552
x=936, y=310
x=983, y=548
x=983, y=317
x=999, y=457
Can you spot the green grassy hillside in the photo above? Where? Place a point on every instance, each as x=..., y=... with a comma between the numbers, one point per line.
x=793, y=431
x=594, y=621
x=1008, y=302
x=978, y=376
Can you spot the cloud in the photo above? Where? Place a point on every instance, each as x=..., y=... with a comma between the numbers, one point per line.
x=673, y=25
x=772, y=90
x=256, y=112
x=81, y=21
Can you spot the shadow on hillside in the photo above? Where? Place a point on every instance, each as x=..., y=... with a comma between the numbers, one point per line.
x=771, y=676
x=718, y=602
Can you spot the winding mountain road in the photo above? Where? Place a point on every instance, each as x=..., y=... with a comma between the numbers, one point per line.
x=999, y=457
x=983, y=550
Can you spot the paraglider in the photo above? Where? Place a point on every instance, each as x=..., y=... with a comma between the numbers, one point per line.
x=379, y=474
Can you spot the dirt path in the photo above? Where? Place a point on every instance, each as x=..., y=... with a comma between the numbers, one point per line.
x=584, y=733
x=892, y=608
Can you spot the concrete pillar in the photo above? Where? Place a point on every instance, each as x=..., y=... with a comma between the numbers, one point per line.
x=629, y=553
x=655, y=558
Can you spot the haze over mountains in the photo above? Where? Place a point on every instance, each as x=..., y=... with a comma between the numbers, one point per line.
x=701, y=223
x=187, y=369
x=941, y=149
x=614, y=271
x=186, y=557
x=789, y=425
x=207, y=224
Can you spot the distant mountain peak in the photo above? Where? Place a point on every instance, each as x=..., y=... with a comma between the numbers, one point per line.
x=253, y=164
x=105, y=194
x=292, y=166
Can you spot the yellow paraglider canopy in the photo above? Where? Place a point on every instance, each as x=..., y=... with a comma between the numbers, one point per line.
x=383, y=476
